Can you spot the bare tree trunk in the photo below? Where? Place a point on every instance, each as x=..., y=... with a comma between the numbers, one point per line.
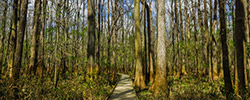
x=35, y=39
x=13, y=40
x=19, y=43
x=3, y=28
x=175, y=66
x=248, y=42
x=207, y=67
x=240, y=32
x=109, y=42
x=150, y=43
x=99, y=35
x=223, y=34
x=40, y=67
x=161, y=72
x=13, y=72
x=213, y=60
x=91, y=37
x=200, y=21
x=56, y=50
x=196, y=60
x=139, y=79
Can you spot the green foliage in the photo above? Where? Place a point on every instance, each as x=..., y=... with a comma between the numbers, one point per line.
x=71, y=87
x=190, y=88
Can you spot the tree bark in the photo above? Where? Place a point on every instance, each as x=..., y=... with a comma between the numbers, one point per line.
x=35, y=39
x=13, y=69
x=139, y=79
x=3, y=28
x=223, y=34
x=40, y=67
x=91, y=38
x=161, y=72
x=240, y=32
x=150, y=43
x=19, y=43
x=13, y=40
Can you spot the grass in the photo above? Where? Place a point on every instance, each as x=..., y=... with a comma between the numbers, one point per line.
x=70, y=87
x=190, y=88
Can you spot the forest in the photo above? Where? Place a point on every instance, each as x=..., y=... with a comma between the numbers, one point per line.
x=125, y=49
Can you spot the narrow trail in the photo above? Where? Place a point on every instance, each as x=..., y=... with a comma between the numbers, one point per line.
x=124, y=89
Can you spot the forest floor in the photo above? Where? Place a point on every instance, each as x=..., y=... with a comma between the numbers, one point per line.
x=190, y=88
x=70, y=87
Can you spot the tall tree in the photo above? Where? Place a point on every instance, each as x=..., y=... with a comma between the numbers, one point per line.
x=35, y=39
x=20, y=37
x=144, y=40
x=174, y=37
x=248, y=42
x=13, y=39
x=109, y=40
x=240, y=32
x=99, y=34
x=91, y=37
x=223, y=34
x=139, y=79
x=3, y=34
x=207, y=39
x=213, y=43
x=150, y=42
x=12, y=69
x=161, y=72
x=40, y=66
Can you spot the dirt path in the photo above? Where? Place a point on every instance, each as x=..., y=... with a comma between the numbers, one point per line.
x=124, y=90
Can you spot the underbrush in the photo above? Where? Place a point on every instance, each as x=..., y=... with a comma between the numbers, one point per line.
x=70, y=87
x=189, y=88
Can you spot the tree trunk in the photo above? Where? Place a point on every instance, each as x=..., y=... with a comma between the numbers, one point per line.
x=99, y=34
x=150, y=43
x=248, y=40
x=240, y=32
x=139, y=79
x=56, y=50
x=19, y=43
x=13, y=40
x=40, y=67
x=223, y=34
x=175, y=66
x=213, y=44
x=91, y=38
x=161, y=72
x=4, y=21
x=109, y=42
x=13, y=72
x=35, y=39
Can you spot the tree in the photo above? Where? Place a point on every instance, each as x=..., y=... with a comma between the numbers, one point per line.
x=91, y=37
x=12, y=69
x=150, y=42
x=35, y=39
x=99, y=33
x=207, y=39
x=13, y=39
x=56, y=78
x=139, y=79
x=160, y=82
x=20, y=37
x=213, y=44
x=3, y=28
x=40, y=66
x=223, y=34
x=240, y=32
